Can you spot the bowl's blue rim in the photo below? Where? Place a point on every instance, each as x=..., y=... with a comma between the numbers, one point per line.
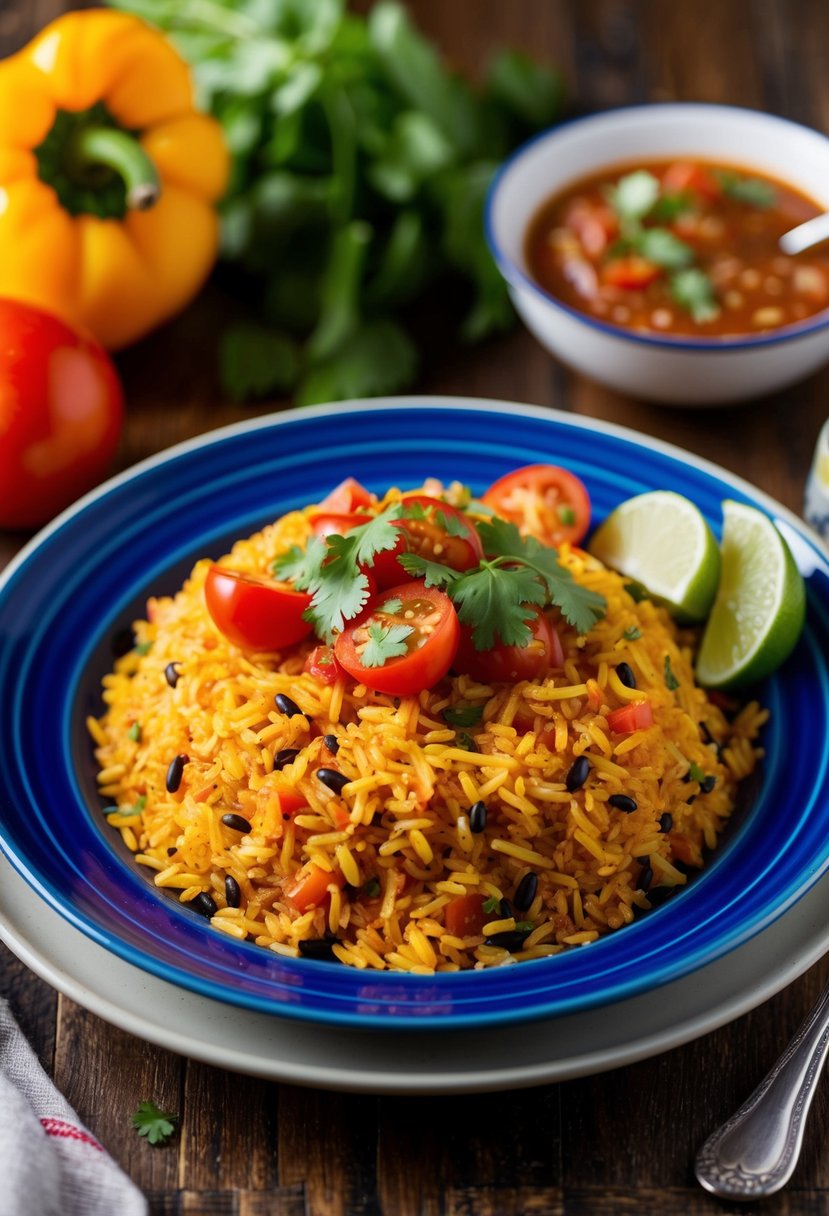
x=519, y=279
x=452, y=1019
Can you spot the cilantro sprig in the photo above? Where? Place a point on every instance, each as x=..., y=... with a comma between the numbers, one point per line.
x=516, y=571
x=154, y=1124
x=385, y=642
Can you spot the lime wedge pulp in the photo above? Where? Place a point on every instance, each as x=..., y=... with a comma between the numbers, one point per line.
x=760, y=605
x=661, y=540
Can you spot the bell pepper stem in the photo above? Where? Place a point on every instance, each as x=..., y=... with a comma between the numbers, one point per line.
x=110, y=148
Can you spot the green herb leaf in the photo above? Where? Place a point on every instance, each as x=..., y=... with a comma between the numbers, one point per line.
x=154, y=1124
x=493, y=602
x=385, y=642
x=634, y=195
x=695, y=773
x=143, y=647
x=751, y=190
x=371, y=889
x=391, y=607
x=463, y=715
x=631, y=634
x=671, y=682
x=134, y=732
x=464, y=740
x=532, y=92
x=379, y=358
x=660, y=246
x=432, y=573
x=491, y=904
x=693, y=290
x=668, y=206
x=301, y=566
x=637, y=592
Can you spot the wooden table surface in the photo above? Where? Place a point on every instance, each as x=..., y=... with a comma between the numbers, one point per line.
x=619, y=1142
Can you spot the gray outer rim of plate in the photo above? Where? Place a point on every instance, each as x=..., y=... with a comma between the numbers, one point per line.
x=408, y=1063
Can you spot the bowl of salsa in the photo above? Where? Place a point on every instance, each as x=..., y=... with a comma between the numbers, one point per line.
x=641, y=247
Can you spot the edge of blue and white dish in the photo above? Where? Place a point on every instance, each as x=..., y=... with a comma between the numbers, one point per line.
x=87, y=574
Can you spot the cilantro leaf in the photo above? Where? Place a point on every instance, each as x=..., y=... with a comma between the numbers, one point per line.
x=751, y=190
x=634, y=195
x=491, y=904
x=465, y=740
x=134, y=732
x=660, y=246
x=338, y=597
x=631, y=634
x=301, y=566
x=156, y=1125
x=255, y=361
x=391, y=607
x=695, y=773
x=693, y=290
x=432, y=573
x=385, y=642
x=463, y=715
x=492, y=601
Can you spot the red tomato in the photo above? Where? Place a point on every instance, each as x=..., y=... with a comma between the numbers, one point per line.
x=510, y=664
x=636, y=715
x=347, y=496
x=430, y=647
x=631, y=273
x=61, y=412
x=310, y=886
x=255, y=613
x=594, y=224
x=328, y=523
x=464, y=916
x=322, y=665
x=544, y=501
x=681, y=178
x=443, y=535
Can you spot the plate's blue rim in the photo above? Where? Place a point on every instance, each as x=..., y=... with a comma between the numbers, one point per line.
x=444, y=1020
x=518, y=278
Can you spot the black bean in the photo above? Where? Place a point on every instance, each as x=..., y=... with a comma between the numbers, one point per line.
x=623, y=803
x=174, y=772
x=645, y=878
x=236, y=823
x=505, y=909
x=204, y=904
x=511, y=939
x=285, y=756
x=577, y=775
x=625, y=673
x=666, y=822
x=333, y=779
x=122, y=642
x=173, y=849
x=708, y=783
x=286, y=706
x=319, y=948
x=332, y=743
x=526, y=891
x=172, y=673
x=233, y=892
x=706, y=733
x=477, y=817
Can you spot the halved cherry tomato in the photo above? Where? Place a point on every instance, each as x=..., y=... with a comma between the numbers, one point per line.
x=632, y=273
x=323, y=666
x=512, y=663
x=253, y=612
x=594, y=224
x=681, y=178
x=329, y=523
x=438, y=532
x=430, y=646
x=637, y=715
x=347, y=496
x=464, y=916
x=310, y=886
x=544, y=501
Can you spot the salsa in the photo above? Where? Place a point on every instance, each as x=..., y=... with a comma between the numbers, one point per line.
x=679, y=248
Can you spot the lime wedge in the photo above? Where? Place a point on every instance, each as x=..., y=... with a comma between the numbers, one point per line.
x=760, y=606
x=662, y=541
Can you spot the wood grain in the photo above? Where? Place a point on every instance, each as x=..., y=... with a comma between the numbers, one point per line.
x=618, y=1143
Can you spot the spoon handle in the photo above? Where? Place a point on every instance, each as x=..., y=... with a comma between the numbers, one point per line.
x=755, y=1152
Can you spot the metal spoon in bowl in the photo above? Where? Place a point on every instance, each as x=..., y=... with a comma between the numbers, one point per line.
x=755, y=1152
x=804, y=236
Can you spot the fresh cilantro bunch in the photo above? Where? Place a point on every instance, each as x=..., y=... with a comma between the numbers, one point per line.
x=360, y=166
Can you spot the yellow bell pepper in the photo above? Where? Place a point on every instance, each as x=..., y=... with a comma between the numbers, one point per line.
x=108, y=176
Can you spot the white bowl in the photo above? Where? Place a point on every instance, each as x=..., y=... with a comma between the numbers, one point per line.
x=672, y=370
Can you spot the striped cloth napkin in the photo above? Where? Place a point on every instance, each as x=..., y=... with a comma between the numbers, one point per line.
x=50, y=1165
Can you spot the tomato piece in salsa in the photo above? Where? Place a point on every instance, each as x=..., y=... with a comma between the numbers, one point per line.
x=684, y=248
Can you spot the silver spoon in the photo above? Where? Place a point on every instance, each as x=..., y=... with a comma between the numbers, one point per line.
x=755, y=1152
x=805, y=235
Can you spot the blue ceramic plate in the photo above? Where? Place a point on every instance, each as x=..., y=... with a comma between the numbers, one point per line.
x=87, y=576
